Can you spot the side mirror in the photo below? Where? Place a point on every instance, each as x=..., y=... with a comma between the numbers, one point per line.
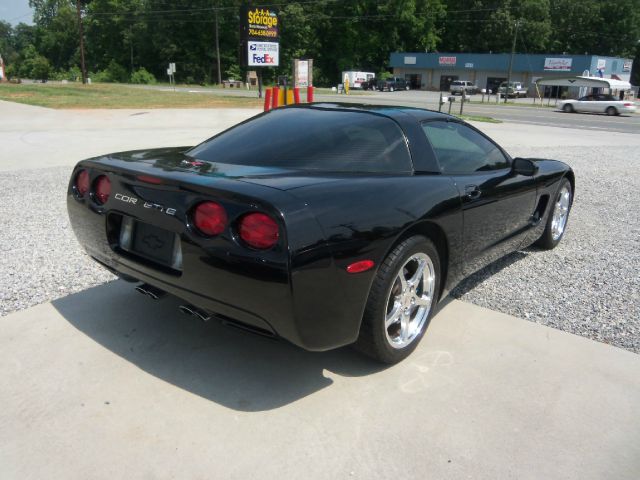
x=524, y=166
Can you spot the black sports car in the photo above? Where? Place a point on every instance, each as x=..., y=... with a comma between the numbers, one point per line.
x=323, y=224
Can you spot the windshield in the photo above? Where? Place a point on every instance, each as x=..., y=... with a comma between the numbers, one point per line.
x=312, y=139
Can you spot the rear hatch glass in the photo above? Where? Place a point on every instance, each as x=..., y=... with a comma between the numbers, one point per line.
x=312, y=139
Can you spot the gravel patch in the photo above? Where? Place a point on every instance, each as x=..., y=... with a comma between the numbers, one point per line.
x=589, y=285
x=40, y=258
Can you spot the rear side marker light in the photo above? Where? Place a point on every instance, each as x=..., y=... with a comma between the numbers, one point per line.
x=102, y=189
x=361, y=266
x=210, y=218
x=82, y=183
x=259, y=230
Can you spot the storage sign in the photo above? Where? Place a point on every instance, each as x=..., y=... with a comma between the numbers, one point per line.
x=263, y=54
x=557, y=64
x=449, y=61
x=260, y=30
x=262, y=23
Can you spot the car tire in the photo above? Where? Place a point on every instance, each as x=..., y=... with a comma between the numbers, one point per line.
x=611, y=111
x=568, y=108
x=558, y=217
x=401, y=301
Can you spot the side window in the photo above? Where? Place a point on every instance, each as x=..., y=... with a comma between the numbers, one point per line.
x=461, y=150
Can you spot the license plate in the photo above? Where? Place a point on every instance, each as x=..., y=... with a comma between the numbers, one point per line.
x=151, y=242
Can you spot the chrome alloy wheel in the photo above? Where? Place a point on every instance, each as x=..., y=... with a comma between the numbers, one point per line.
x=560, y=213
x=409, y=300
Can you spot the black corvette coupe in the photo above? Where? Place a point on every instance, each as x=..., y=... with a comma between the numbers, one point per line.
x=323, y=224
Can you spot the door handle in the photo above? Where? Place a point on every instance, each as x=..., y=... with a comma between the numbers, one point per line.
x=472, y=192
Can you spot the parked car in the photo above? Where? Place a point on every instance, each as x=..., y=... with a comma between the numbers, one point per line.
x=369, y=84
x=515, y=90
x=323, y=224
x=393, y=83
x=459, y=86
x=598, y=103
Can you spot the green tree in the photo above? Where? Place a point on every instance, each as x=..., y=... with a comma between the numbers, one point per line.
x=56, y=33
x=489, y=26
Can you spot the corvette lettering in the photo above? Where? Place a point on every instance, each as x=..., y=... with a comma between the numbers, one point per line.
x=160, y=208
x=133, y=201
x=126, y=198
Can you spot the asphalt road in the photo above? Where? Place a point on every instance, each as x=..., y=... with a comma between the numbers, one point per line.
x=522, y=112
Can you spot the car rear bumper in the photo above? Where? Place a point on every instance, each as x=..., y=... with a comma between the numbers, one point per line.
x=276, y=292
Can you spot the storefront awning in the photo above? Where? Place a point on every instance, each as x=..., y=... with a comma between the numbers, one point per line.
x=592, y=82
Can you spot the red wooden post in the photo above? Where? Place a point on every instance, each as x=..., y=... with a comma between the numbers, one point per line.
x=276, y=97
x=310, y=94
x=296, y=95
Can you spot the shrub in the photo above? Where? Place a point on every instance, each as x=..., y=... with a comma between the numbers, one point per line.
x=74, y=74
x=114, y=73
x=39, y=67
x=143, y=77
x=233, y=72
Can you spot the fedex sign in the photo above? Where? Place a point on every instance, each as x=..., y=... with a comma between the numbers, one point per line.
x=263, y=54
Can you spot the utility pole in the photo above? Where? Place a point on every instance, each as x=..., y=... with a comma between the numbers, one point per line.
x=218, y=50
x=81, y=33
x=513, y=51
x=131, y=46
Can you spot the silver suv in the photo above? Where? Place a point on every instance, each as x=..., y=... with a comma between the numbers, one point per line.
x=459, y=86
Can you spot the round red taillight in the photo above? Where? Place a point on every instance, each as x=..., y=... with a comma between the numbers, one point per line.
x=82, y=183
x=259, y=230
x=102, y=189
x=210, y=218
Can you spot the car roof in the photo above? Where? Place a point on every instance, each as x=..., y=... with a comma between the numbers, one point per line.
x=391, y=111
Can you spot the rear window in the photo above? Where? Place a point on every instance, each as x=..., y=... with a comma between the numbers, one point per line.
x=312, y=139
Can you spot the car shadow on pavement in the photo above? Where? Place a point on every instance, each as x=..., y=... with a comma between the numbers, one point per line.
x=234, y=368
x=475, y=279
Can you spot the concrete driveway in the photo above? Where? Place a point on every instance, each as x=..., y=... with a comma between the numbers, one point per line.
x=107, y=384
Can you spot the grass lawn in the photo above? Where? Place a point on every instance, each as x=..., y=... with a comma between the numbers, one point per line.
x=479, y=118
x=80, y=96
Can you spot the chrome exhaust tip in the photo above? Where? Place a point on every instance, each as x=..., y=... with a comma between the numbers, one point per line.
x=151, y=291
x=195, y=312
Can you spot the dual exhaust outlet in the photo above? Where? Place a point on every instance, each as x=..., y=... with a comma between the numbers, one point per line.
x=157, y=294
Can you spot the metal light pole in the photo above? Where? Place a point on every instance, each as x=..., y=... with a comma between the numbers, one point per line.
x=513, y=51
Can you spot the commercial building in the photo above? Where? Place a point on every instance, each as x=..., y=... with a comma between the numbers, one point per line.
x=436, y=71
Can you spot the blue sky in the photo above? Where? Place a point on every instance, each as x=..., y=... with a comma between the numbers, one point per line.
x=15, y=11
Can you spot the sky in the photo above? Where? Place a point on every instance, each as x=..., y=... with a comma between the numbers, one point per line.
x=16, y=11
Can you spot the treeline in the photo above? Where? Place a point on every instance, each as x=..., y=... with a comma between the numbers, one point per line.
x=134, y=40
